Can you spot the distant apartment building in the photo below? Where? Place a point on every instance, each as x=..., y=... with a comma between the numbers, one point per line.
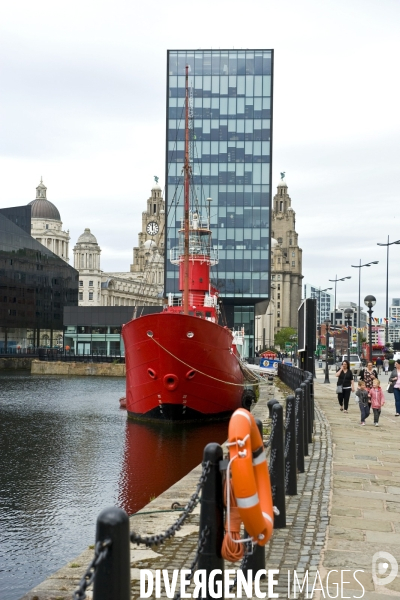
x=324, y=301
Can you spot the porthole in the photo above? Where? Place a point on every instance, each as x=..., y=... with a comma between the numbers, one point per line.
x=190, y=334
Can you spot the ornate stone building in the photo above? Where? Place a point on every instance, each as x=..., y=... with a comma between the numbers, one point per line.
x=47, y=224
x=143, y=284
x=286, y=266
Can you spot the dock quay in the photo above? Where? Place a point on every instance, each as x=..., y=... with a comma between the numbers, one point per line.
x=346, y=511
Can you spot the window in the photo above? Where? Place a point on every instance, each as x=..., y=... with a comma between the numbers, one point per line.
x=281, y=206
x=280, y=240
x=290, y=242
x=47, y=226
x=90, y=283
x=293, y=253
x=80, y=295
x=279, y=315
x=293, y=263
x=278, y=324
x=279, y=259
x=80, y=283
x=90, y=295
x=279, y=296
x=279, y=286
x=279, y=304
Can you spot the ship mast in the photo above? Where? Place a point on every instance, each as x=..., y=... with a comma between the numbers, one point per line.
x=187, y=173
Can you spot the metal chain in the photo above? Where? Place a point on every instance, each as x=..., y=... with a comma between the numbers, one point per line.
x=156, y=540
x=200, y=546
x=100, y=552
x=101, y=548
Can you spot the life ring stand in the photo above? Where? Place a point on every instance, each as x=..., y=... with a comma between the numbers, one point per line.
x=250, y=477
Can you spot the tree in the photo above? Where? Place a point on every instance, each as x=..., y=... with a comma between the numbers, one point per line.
x=286, y=334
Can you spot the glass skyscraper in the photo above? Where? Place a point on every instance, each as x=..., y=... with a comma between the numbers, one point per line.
x=231, y=121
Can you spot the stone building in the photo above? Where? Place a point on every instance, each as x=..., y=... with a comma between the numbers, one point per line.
x=143, y=284
x=47, y=225
x=286, y=260
x=147, y=255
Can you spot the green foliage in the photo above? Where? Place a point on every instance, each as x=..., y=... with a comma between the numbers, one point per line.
x=286, y=334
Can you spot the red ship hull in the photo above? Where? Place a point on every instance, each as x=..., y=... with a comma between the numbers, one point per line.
x=171, y=376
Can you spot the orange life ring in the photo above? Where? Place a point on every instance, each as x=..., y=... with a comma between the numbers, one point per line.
x=250, y=477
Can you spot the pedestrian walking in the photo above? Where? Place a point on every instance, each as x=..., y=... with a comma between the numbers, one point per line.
x=368, y=375
x=386, y=366
x=377, y=400
x=379, y=364
x=395, y=379
x=345, y=385
x=362, y=395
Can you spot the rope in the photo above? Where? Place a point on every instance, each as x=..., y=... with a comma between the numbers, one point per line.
x=231, y=550
x=198, y=371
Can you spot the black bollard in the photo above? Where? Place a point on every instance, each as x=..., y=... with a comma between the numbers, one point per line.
x=299, y=430
x=211, y=515
x=290, y=447
x=310, y=423
x=277, y=466
x=256, y=560
x=113, y=575
x=303, y=387
x=312, y=408
x=270, y=404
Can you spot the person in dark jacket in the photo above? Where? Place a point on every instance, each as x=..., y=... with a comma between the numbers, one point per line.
x=346, y=380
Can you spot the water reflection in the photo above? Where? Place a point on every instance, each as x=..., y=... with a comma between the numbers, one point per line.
x=66, y=452
x=158, y=455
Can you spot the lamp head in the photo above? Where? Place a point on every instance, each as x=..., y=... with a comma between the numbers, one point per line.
x=370, y=301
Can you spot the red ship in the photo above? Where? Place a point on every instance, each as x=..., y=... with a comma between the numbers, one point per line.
x=181, y=365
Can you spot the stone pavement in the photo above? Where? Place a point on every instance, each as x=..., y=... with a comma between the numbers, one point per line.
x=347, y=508
x=365, y=503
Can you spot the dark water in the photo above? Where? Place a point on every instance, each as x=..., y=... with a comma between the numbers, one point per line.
x=66, y=452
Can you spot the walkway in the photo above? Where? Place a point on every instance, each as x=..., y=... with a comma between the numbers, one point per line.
x=365, y=505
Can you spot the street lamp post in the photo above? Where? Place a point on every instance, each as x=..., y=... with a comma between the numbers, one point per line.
x=270, y=343
x=370, y=301
x=327, y=323
x=334, y=312
x=348, y=312
x=387, y=286
x=360, y=266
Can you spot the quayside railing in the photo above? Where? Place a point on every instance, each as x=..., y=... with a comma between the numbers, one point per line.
x=287, y=447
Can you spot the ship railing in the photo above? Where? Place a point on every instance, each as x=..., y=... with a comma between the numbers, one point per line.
x=198, y=253
x=198, y=300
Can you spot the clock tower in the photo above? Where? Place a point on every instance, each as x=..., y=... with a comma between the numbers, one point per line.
x=151, y=238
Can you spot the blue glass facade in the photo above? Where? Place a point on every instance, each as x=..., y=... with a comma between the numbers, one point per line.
x=231, y=143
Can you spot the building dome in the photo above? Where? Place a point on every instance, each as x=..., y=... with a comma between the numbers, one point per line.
x=41, y=207
x=86, y=238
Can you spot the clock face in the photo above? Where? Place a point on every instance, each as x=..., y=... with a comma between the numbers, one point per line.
x=152, y=228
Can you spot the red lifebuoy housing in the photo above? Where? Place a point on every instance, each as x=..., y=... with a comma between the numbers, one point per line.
x=250, y=477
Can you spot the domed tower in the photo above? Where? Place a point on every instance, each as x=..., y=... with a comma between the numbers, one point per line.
x=87, y=261
x=47, y=224
x=153, y=229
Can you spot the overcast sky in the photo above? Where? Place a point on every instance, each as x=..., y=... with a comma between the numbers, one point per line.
x=83, y=105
